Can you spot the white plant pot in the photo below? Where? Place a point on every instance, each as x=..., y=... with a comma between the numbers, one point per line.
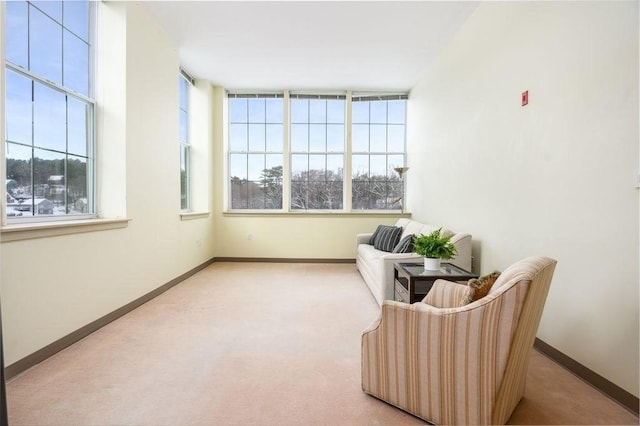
x=431, y=264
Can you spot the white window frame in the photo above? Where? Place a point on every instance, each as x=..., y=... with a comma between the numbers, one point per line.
x=287, y=153
x=91, y=132
x=185, y=145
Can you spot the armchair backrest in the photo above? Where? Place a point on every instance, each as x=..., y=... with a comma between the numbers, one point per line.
x=538, y=271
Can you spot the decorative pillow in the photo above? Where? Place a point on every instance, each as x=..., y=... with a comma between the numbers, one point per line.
x=479, y=287
x=387, y=237
x=375, y=234
x=405, y=245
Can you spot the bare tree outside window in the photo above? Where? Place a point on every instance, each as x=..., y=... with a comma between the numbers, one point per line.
x=256, y=151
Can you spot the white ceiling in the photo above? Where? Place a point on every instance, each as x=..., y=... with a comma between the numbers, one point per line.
x=320, y=45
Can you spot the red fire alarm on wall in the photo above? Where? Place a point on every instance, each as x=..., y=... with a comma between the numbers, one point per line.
x=525, y=97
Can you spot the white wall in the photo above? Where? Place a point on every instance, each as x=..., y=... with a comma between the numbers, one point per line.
x=53, y=286
x=554, y=178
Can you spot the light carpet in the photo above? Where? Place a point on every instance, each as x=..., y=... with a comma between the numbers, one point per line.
x=252, y=344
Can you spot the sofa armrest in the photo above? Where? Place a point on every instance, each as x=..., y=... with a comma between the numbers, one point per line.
x=446, y=294
x=363, y=238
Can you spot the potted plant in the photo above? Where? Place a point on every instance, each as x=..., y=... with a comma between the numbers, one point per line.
x=434, y=247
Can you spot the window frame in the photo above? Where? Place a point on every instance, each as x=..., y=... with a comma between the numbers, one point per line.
x=88, y=100
x=347, y=178
x=185, y=145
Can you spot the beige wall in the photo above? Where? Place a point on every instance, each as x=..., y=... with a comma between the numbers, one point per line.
x=53, y=286
x=554, y=178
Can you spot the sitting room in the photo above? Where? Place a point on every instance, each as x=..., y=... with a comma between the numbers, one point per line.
x=192, y=190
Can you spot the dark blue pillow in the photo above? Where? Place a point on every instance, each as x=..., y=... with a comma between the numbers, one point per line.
x=405, y=245
x=387, y=237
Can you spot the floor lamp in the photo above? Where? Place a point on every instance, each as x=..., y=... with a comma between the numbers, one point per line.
x=401, y=171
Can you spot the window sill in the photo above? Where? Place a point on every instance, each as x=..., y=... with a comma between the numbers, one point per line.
x=28, y=231
x=360, y=213
x=193, y=215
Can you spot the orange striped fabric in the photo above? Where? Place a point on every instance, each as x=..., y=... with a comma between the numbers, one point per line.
x=446, y=294
x=461, y=365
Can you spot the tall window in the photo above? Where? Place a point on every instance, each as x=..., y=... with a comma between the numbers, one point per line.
x=316, y=147
x=185, y=81
x=317, y=152
x=49, y=109
x=256, y=151
x=378, y=147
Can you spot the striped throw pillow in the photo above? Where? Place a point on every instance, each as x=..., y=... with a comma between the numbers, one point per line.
x=387, y=237
x=405, y=245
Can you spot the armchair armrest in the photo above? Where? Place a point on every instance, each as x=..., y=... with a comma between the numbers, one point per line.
x=446, y=294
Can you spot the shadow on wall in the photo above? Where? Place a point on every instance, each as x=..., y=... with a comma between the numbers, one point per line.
x=476, y=256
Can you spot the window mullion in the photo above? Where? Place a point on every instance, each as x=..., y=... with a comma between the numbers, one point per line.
x=286, y=154
x=346, y=181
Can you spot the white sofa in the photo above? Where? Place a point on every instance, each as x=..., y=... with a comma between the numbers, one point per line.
x=376, y=266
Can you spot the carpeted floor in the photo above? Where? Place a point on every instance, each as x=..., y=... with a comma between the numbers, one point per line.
x=252, y=344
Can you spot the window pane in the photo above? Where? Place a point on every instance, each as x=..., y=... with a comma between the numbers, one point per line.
x=397, y=112
x=51, y=8
x=274, y=137
x=49, y=118
x=16, y=34
x=299, y=167
x=18, y=108
x=335, y=137
x=78, y=131
x=360, y=112
x=184, y=177
x=378, y=112
x=299, y=195
x=238, y=110
x=271, y=182
x=395, y=142
x=378, y=138
x=394, y=161
x=45, y=46
x=257, y=111
x=299, y=111
x=317, y=167
x=49, y=182
x=183, y=85
x=76, y=64
x=378, y=167
x=299, y=137
x=184, y=126
x=274, y=110
x=76, y=18
x=335, y=167
x=255, y=166
x=360, y=166
x=256, y=137
x=77, y=185
x=238, y=138
x=360, y=138
x=238, y=166
x=18, y=176
x=317, y=137
x=335, y=111
x=317, y=111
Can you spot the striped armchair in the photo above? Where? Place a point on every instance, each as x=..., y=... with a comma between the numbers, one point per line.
x=456, y=364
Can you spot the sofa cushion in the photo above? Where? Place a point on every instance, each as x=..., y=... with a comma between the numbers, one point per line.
x=405, y=245
x=479, y=287
x=386, y=237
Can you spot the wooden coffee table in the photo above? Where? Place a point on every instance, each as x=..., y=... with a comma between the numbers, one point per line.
x=412, y=282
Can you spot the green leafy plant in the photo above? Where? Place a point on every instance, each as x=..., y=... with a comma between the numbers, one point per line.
x=434, y=245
